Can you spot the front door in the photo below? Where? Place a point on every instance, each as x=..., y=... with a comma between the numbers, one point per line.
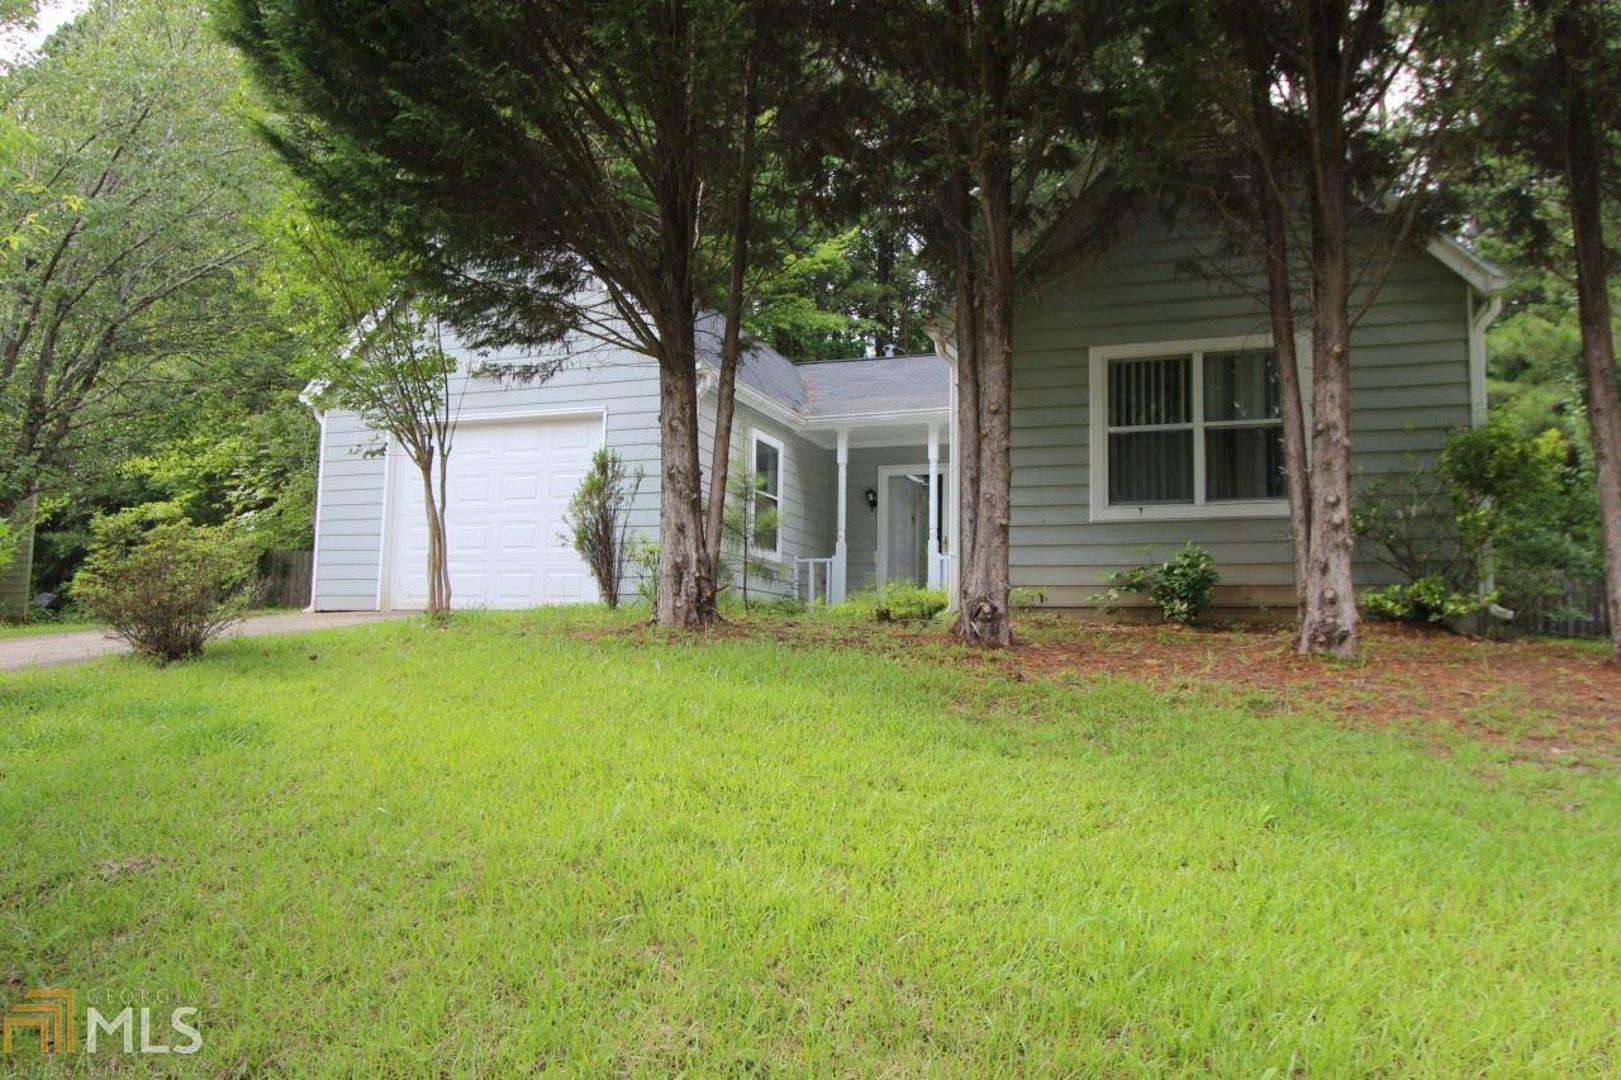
x=903, y=524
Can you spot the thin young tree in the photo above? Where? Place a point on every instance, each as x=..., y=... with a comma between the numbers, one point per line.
x=371, y=347
x=761, y=198
x=1205, y=128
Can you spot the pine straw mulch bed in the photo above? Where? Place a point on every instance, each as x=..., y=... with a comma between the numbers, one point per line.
x=1543, y=700
x=1547, y=701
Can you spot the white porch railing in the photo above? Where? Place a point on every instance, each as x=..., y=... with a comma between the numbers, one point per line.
x=805, y=573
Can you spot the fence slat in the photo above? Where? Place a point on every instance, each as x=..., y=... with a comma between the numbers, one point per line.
x=1581, y=611
x=287, y=577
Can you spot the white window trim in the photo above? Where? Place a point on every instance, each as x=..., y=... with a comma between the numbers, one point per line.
x=1098, y=422
x=756, y=437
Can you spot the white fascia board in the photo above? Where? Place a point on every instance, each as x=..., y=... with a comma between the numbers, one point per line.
x=1486, y=278
x=873, y=419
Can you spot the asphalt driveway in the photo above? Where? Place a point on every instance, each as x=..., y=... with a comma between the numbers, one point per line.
x=47, y=649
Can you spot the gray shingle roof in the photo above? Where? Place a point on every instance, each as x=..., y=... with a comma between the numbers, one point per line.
x=877, y=384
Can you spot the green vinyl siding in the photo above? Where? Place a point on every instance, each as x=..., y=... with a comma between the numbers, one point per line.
x=1410, y=386
x=808, y=486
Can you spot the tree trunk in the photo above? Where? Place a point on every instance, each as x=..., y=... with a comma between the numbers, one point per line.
x=1584, y=144
x=1280, y=305
x=883, y=276
x=1280, y=308
x=686, y=579
x=984, y=619
x=720, y=460
x=1330, y=623
x=960, y=225
x=438, y=594
x=685, y=586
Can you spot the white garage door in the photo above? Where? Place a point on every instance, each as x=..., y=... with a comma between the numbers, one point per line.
x=509, y=485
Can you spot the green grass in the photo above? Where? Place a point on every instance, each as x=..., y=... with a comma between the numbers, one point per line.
x=503, y=846
x=9, y=630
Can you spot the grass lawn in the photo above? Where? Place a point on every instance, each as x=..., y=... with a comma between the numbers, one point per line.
x=35, y=629
x=556, y=841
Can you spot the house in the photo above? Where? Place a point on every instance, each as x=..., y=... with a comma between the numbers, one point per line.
x=852, y=455
x=1144, y=416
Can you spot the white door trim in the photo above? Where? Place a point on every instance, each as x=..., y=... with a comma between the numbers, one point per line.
x=884, y=473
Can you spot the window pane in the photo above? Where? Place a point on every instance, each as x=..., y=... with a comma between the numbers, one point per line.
x=766, y=522
x=1155, y=391
x=1151, y=467
x=766, y=467
x=1240, y=386
x=1244, y=463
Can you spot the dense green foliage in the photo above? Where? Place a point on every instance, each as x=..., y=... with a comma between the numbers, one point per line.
x=140, y=364
x=1181, y=586
x=765, y=852
x=164, y=584
x=1424, y=600
x=1499, y=504
x=906, y=602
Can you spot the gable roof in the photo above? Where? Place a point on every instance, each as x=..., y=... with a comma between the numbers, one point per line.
x=1486, y=278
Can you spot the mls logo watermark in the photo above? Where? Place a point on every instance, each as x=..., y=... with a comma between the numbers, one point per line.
x=49, y=1013
x=128, y=1022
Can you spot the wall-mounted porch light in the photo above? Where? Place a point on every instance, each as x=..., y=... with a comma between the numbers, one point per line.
x=872, y=499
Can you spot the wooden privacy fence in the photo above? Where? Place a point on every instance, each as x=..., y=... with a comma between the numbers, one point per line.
x=287, y=577
x=1581, y=612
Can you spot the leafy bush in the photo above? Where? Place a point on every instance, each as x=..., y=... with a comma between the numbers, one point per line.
x=168, y=586
x=1498, y=499
x=1026, y=597
x=1181, y=586
x=8, y=544
x=597, y=519
x=902, y=601
x=645, y=558
x=1427, y=600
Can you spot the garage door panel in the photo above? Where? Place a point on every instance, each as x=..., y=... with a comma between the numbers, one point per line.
x=509, y=485
x=567, y=587
x=520, y=491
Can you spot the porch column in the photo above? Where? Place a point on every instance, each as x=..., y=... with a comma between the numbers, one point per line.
x=840, y=552
x=934, y=507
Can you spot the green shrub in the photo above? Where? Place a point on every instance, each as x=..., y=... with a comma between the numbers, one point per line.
x=644, y=557
x=164, y=585
x=1427, y=600
x=1181, y=586
x=597, y=521
x=1519, y=503
x=1026, y=597
x=906, y=602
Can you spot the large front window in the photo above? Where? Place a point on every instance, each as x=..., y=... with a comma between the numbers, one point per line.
x=1187, y=431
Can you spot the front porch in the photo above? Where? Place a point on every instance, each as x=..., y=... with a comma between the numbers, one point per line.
x=892, y=512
